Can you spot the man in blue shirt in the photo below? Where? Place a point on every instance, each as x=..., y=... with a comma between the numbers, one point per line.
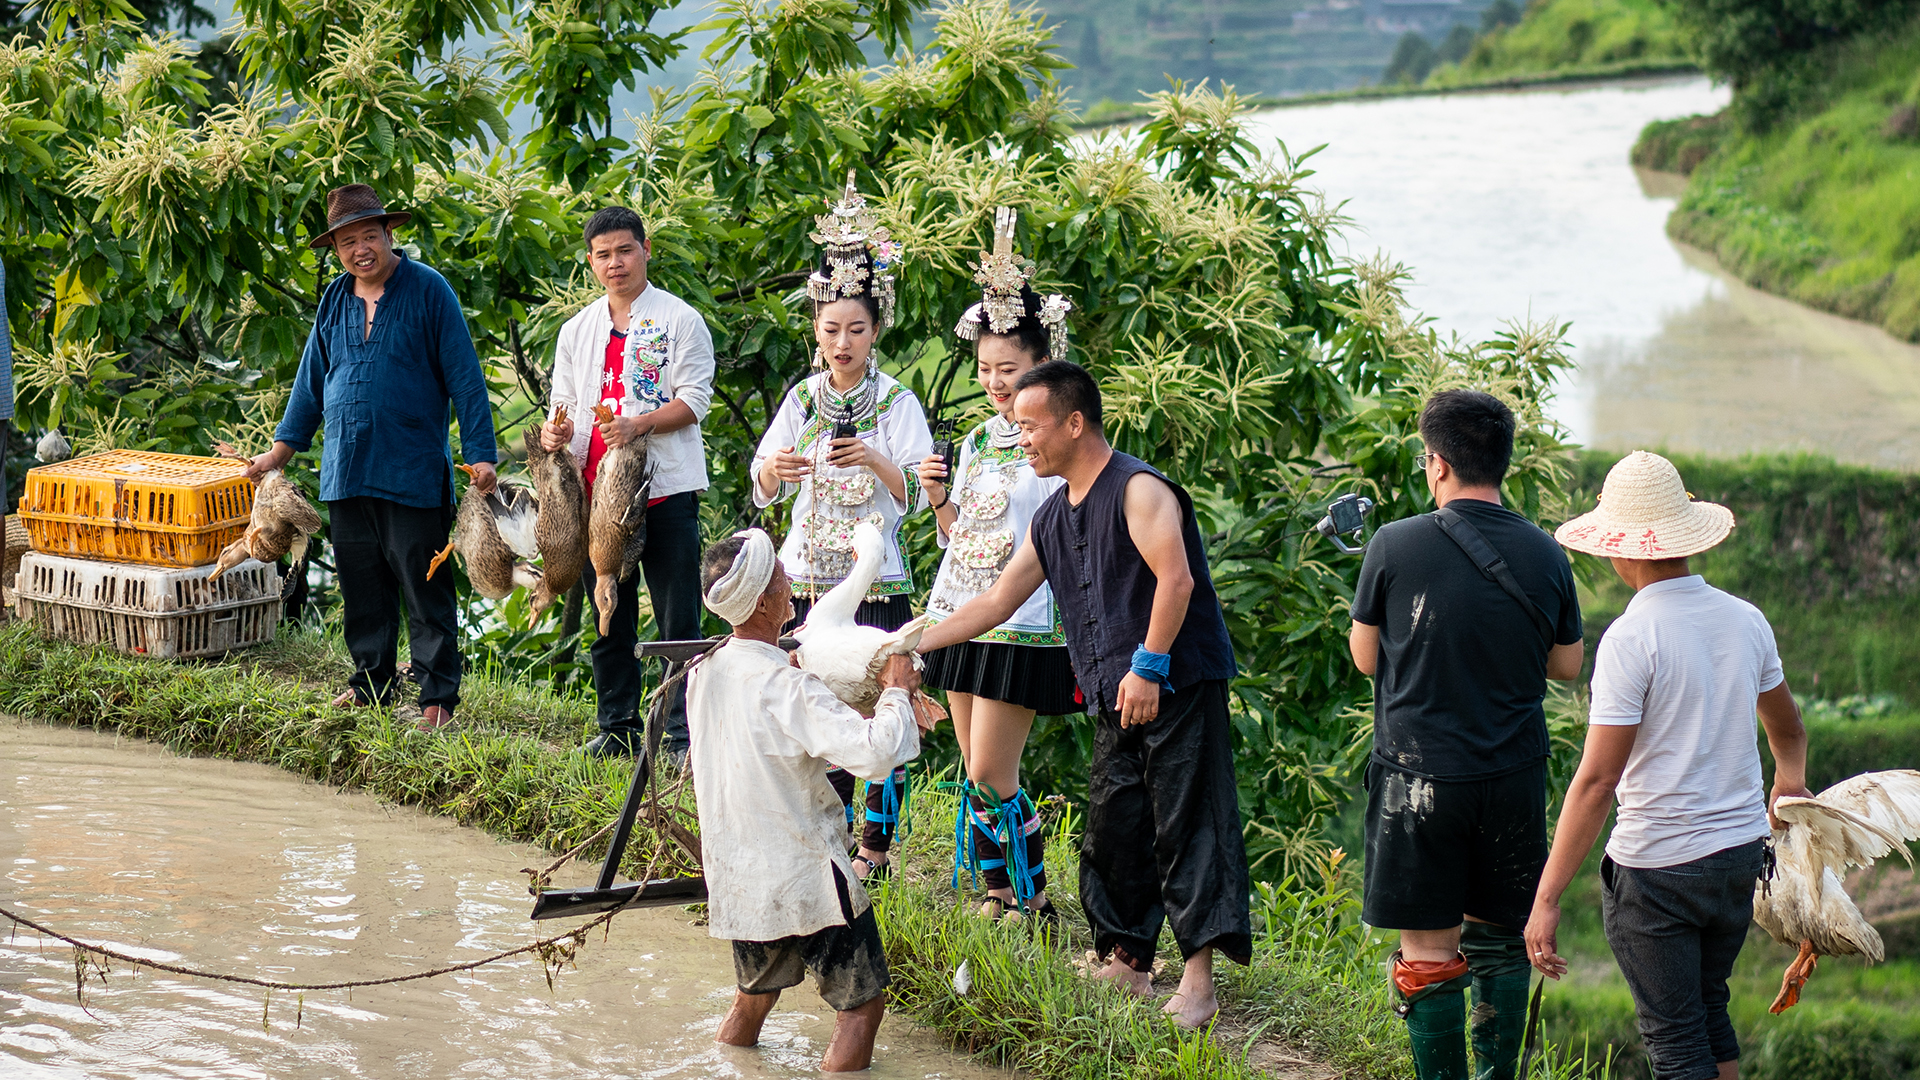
x=388, y=354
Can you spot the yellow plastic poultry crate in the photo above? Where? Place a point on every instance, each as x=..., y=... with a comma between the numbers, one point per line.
x=136, y=506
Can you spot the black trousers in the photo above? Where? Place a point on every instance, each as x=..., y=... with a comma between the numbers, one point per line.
x=671, y=564
x=1163, y=840
x=380, y=554
x=1676, y=932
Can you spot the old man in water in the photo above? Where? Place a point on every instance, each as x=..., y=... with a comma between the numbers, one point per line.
x=772, y=830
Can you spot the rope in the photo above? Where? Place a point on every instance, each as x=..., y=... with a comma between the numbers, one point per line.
x=545, y=946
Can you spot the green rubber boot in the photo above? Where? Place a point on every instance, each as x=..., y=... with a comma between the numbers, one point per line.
x=1497, y=957
x=1436, y=1025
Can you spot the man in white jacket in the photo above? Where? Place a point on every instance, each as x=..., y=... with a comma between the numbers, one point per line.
x=772, y=830
x=646, y=355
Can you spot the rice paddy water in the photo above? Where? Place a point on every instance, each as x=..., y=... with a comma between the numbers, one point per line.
x=244, y=869
x=1509, y=203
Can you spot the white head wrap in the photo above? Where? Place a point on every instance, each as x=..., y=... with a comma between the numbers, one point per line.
x=733, y=596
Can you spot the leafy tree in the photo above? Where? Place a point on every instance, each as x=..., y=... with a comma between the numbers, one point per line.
x=1499, y=15
x=1772, y=51
x=155, y=242
x=1413, y=58
x=1457, y=44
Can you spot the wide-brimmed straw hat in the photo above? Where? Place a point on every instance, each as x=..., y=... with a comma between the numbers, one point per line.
x=1646, y=513
x=355, y=202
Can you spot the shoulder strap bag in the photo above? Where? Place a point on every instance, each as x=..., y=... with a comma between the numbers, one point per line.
x=1491, y=563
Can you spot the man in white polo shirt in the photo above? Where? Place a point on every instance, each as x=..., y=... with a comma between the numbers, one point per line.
x=646, y=355
x=1676, y=683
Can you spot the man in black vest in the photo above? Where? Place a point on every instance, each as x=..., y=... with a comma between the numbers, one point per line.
x=1456, y=823
x=1121, y=549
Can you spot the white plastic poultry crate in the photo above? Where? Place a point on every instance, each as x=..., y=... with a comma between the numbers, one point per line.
x=149, y=610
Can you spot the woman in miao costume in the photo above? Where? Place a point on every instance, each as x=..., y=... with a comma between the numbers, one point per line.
x=999, y=681
x=836, y=483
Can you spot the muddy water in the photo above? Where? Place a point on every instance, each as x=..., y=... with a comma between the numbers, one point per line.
x=1510, y=204
x=243, y=869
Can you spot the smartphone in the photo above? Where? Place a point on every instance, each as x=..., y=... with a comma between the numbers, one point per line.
x=943, y=446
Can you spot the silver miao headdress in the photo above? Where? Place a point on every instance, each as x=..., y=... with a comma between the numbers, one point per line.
x=1003, y=278
x=859, y=254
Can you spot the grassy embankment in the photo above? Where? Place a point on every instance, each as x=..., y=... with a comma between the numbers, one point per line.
x=1572, y=39
x=1824, y=207
x=1832, y=554
x=511, y=769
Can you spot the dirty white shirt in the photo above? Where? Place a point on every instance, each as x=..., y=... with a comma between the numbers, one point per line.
x=1687, y=663
x=772, y=830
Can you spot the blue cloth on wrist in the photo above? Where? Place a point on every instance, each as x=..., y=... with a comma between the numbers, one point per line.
x=1154, y=666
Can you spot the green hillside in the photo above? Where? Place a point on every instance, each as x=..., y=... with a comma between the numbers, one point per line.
x=1812, y=190
x=1568, y=36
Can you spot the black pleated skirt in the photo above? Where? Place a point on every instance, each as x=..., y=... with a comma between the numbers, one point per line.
x=1032, y=676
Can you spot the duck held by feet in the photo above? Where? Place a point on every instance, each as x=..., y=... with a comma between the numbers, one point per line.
x=494, y=534
x=560, y=531
x=617, y=520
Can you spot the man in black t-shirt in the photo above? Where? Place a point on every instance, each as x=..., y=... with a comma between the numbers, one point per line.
x=1456, y=785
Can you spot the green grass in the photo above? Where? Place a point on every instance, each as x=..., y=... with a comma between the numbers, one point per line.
x=1316, y=989
x=1825, y=207
x=1572, y=36
x=1679, y=146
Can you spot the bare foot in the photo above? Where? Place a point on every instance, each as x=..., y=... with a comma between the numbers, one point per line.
x=348, y=699
x=873, y=864
x=1194, y=1011
x=1137, y=983
x=749, y=1012
x=853, y=1035
x=1194, y=1004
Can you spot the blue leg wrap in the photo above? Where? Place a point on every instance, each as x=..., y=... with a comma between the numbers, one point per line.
x=963, y=851
x=893, y=804
x=1006, y=831
x=1019, y=821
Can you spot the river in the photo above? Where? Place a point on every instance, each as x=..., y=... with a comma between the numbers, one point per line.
x=244, y=869
x=1510, y=204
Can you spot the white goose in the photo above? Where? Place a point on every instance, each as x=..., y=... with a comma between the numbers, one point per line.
x=1850, y=824
x=848, y=657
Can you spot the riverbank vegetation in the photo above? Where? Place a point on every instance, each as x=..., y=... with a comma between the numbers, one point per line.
x=1806, y=185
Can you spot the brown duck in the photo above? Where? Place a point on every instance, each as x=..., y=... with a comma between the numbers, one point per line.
x=494, y=535
x=561, y=529
x=281, y=521
x=617, y=523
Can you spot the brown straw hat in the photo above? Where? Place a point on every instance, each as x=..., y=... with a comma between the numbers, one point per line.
x=355, y=202
x=1646, y=513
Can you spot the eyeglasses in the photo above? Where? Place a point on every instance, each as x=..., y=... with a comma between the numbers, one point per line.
x=1421, y=461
